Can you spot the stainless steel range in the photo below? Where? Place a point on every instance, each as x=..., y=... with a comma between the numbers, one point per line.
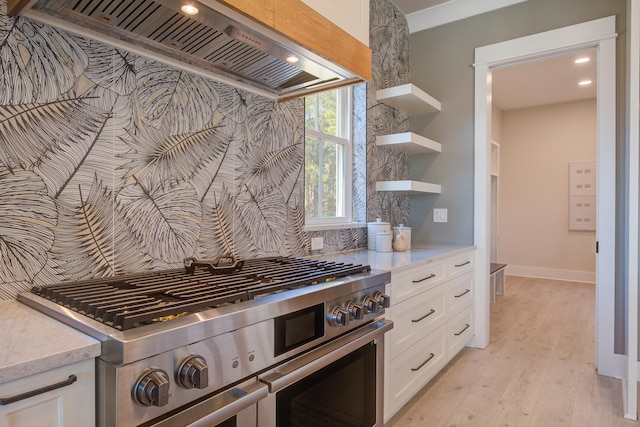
x=255, y=342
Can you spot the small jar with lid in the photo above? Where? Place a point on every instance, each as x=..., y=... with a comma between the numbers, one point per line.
x=405, y=232
x=384, y=242
x=373, y=228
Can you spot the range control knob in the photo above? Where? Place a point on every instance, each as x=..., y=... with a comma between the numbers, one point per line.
x=370, y=305
x=193, y=372
x=356, y=311
x=152, y=388
x=383, y=299
x=338, y=316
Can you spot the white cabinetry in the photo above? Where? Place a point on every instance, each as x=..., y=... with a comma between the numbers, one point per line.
x=495, y=172
x=433, y=320
x=495, y=158
x=352, y=16
x=411, y=100
x=70, y=405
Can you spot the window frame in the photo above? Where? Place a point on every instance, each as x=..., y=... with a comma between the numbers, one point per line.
x=344, y=123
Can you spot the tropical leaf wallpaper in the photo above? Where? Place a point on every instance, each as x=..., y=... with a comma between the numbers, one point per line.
x=389, y=43
x=112, y=163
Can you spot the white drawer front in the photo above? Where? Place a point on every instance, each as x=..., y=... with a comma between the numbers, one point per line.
x=410, y=371
x=411, y=282
x=459, y=332
x=460, y=264
x=415, y=318
x=459, y=294
x=72, y=405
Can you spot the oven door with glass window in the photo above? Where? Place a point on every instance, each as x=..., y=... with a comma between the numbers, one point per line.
x=337, y=384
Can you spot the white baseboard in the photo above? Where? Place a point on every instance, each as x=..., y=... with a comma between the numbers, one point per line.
x=551, y=273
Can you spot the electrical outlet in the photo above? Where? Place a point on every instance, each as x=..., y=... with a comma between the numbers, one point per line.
x=317, y=243
x=439, y=215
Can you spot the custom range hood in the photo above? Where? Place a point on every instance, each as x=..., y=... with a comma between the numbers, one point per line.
x=217, y=41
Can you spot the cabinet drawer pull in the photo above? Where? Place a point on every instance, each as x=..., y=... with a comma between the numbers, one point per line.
x=463, y=264
x=15, y=398
x=431, y=356
x=431, y=276
x=462, y=294
x=424, y=317
x=463, y=329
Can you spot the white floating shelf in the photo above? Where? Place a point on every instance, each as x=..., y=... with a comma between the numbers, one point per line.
x=409, y=99
x=407, y=186
x=409, y=143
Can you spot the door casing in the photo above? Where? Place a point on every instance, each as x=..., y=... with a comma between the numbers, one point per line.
x=601, y=35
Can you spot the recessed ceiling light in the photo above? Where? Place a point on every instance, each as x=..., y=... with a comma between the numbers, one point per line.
x=582, y=60
x=189, y=9
x=292, y=59
x=585, y=83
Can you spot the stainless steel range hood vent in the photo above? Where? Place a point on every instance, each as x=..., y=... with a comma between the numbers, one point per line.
x=218, y=42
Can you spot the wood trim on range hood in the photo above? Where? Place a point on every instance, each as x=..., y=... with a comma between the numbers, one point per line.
x=297, y=21
x=288, y=23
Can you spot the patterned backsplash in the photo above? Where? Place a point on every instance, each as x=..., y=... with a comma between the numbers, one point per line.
x=113, y=163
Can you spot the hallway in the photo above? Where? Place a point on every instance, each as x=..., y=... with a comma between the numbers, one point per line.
x=538, y=369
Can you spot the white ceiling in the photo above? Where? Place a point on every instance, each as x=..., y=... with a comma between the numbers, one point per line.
x=545, y=81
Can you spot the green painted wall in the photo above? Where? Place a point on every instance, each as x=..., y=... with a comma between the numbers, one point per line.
x=442, y=64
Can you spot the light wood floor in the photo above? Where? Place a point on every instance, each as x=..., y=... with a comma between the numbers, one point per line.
x=537, y=371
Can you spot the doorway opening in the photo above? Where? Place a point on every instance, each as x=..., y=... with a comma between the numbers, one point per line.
x=599, y=35
x=543, y=189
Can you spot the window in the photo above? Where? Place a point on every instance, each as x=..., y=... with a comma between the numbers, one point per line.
x=328, y=157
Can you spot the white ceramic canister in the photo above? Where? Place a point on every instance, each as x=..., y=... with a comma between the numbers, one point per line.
x=406, y=234
x=373, y=228
x=384, y=242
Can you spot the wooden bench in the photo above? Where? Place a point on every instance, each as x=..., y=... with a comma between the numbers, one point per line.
x=496, y=280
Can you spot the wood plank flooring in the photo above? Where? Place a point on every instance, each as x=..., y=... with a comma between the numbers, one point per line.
x=537, y=371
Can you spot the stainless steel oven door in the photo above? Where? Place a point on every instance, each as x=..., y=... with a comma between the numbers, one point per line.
x=235, y=407
x=339, y=383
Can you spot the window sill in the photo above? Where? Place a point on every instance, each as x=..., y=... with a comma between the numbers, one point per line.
x=323, y=227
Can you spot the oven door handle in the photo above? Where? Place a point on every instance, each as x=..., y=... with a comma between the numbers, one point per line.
x=218, y=408
x=290, y=372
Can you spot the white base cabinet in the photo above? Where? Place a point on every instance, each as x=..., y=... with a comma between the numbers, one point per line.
x=71, y=405
x=412, y=369
x=459, y=332
x=432, y=311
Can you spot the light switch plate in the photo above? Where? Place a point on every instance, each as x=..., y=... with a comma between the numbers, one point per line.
x=317, y=243
x=439, y=215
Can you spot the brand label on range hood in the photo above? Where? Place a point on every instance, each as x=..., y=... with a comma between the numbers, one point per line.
x=217, y=41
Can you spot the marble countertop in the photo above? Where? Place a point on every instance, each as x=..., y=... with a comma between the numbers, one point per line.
x=393, y=261
x=33, y=342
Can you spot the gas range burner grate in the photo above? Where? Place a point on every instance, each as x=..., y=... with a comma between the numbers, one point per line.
x=130, y=301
